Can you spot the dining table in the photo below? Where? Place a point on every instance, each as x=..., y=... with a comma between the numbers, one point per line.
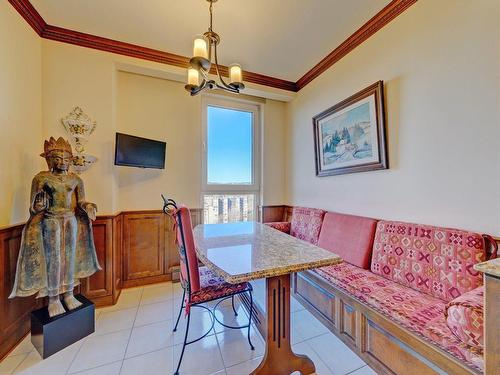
x=246, y=251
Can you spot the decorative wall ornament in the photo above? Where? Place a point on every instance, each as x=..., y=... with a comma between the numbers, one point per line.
x=80, y=126
x=350, y=136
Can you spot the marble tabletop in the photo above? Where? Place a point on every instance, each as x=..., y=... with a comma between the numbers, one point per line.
x=248, y=250
x=491, y=267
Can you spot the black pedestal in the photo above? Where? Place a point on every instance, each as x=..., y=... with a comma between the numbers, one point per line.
x=49, y=335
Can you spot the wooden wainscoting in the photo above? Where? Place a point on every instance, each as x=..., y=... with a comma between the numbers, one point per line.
x=117, y=256
x=14, y=313
x=144, y=248
x=150, y=252
x=270, y=214
x=100, y=287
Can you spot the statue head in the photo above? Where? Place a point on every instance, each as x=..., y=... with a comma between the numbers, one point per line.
x=58, y=154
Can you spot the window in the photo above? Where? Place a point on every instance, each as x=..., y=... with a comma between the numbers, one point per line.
x=230, y=162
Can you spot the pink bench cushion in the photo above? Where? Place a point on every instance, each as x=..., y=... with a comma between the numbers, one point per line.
x=282, y=226
x=435, y=261
x=465, y=318
x=349, y=236
x=306, y=223
x=416, y=311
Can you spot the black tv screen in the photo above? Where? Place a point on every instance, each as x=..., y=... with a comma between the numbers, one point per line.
x=139, y=152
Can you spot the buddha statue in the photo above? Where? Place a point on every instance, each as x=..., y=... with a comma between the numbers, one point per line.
x=57, y=246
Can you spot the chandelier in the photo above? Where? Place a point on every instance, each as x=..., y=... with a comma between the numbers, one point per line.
x=204, y=50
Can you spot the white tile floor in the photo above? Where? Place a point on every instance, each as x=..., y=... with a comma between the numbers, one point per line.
x=135, y=337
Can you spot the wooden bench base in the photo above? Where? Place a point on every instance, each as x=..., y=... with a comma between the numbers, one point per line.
x=387, y=347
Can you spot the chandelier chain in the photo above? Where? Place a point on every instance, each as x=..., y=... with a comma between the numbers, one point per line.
x=211, y=16
x=201, y=63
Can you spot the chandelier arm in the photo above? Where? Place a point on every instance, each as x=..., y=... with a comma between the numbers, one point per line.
x=204, y=74
x=197, y=89
x=229, y=87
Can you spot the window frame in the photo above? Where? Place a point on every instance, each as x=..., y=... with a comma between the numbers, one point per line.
x=254, y=187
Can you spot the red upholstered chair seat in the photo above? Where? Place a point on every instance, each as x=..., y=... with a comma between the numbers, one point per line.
x=436, y=261
x=282, y=226
x=349, y=236
x=212, y=287
x=418, y=312
x=465, y=317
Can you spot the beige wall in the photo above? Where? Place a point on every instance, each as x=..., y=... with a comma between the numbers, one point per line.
x=150, y=107
x=273, y=153
x=75, y=76
x=440, y=62
x=20, y=113
x=160, y=109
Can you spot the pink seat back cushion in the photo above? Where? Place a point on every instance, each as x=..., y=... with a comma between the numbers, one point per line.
x=194, y=273
x=306, y=223
x=349, y=236
x=432, y=260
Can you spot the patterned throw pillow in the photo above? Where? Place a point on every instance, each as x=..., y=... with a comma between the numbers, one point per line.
x=306, y=223
x=282, y=226
x=465, y=317
x=433, y=260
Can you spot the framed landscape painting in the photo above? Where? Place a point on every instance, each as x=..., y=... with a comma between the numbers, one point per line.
x=350, y=136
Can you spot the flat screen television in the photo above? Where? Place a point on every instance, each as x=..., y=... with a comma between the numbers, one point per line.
x=132, y=151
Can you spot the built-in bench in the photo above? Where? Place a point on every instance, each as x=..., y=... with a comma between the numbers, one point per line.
x=407, y=298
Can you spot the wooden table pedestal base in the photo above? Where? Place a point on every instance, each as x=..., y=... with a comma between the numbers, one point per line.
x=279, y=358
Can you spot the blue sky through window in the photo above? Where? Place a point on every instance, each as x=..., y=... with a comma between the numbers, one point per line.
x=229, y=146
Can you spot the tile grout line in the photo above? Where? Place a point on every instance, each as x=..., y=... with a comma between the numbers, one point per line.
x=319, y=357
x=85, y=340
x=78, y=351
x=93, y=368
x=359, y=368
x=310, y=338
x=19, y=364
x=220, y=353
x=131, y=330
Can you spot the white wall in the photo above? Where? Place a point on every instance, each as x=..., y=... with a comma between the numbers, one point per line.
x=440, y=61
x=20, y=113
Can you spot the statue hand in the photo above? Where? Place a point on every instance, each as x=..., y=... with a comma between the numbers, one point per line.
x=90, y=209
x=41, y=202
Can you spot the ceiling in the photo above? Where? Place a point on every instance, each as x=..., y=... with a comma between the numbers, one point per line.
x=282, y=39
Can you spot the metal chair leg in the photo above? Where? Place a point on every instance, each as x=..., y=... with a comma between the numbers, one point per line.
x=180, y=311
x=183, y=345
x=250, y=320
x=232, y=304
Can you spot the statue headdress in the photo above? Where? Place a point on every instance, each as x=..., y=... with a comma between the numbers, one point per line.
x=52, y=145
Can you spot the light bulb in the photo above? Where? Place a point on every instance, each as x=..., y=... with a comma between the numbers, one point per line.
x=200, y=47
x=193, y=77
x=235, y=74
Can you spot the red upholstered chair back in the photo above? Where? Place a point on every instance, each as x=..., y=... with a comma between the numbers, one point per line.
x=433, y=260
x=190, y=274
x=306, y=223
x=349, y=236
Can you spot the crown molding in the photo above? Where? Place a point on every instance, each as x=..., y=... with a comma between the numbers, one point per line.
x=382, y=18
x=30, y=14
x=46, y=31
x=60, y=34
